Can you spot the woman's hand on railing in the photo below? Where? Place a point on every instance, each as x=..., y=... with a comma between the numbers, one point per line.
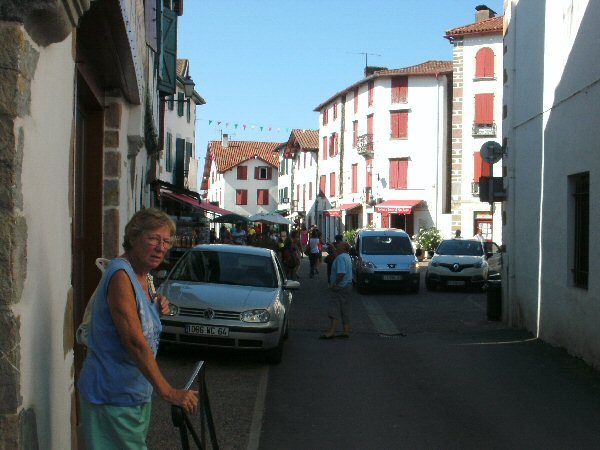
x=186, y=399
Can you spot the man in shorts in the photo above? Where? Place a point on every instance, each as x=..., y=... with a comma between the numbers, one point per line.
x=340, y=288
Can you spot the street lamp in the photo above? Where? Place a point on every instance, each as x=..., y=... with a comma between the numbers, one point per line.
x=188, y=90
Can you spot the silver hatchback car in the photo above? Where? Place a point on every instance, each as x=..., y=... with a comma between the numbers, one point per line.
x=228, y=296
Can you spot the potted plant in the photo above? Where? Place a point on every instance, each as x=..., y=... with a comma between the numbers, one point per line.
x=428, y=239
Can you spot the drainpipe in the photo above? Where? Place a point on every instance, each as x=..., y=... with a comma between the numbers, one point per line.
x=437, y=157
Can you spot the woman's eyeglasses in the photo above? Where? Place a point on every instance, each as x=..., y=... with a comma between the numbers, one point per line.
x=155, y=241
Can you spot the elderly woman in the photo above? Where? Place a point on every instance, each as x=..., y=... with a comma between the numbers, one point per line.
x=120, y=370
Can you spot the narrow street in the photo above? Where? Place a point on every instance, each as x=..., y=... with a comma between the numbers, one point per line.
x=420, y=371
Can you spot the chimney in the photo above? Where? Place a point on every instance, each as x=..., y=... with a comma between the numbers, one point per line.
x=370, y=70
x=483, y=12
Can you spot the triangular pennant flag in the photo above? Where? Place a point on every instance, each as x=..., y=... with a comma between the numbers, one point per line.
x=219, y=122
x=261, y=128
x=245, y=126
x=235, y=125
x=209, y=122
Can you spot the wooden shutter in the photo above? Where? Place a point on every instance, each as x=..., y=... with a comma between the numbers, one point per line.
x=310, y=190
x=151, y=16
x=332, y=184
x=356, y=100
x=331, y=145
x=242, y=172
x=370, y=125
x=484, y=109
x=371, y=89
x=168, y=153
x=179, y=162
x=399, y=124
x=385, y=220
x=297, y=194
x=168, y=53
x=355, y=134
x=322, y=182
x=398, y=173
x=484, y=63
x=481, y=167
x=399, y=89
x=180, y=104
x=324, y=148
x=257, y=173
x=369, y=177
x=269, y=173
x=354, y=177
x=188, y=157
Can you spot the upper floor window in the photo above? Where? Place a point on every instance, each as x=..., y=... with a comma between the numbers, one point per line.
x=355, y=134
x=484, y=63
x=168, y=152
x=398, y=173
x=262, y=196
x=324, y=148
x=262, y=173
x=484, y=109
x=325, y=116
x=180, y=104
x=354, y=178
x=335, y=108
x=332, y=184
x=399, y=89
x=241, y=197
x=355, y=100
x=399, y=124
x=371, y=89
x=242, y=172
x=322, y=182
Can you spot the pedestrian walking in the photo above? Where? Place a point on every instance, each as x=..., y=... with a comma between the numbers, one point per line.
x=340, y=287
x=120, y=370
x=313, y=252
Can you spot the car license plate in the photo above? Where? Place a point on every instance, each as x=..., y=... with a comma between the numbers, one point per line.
x=392, y=277
x=206, y=330
x=455, y=283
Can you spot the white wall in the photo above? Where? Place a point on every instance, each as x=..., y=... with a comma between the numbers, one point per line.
x=553, y=134
x=46, y=363
x=231, y=183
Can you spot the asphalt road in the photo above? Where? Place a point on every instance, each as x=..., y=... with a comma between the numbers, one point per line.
x=424, y=371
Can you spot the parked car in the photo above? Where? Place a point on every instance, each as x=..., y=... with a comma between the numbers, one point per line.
x=384, y=257
x=228, y=296
x=462, y=262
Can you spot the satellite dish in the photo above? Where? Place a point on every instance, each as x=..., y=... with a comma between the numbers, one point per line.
x=491, y=152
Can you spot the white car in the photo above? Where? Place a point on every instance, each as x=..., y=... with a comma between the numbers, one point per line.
x=228, y=296
x=461, y=262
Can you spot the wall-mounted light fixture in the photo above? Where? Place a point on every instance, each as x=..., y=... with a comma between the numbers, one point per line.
x=188, y=89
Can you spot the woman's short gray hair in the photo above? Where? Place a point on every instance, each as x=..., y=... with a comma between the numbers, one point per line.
x=144, y=220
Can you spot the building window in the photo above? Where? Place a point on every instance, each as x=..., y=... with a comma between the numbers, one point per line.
x=324, y=148
x=262, y=196
x=355, y=100
x=322, y=182
x=484, y=109
x=399, y=124
x=325, y=116
x=354, y=178
x=371, y=89
x=168, y=153
x=481, y=167
x=241, y=197
x=399, y=89
x=580, y=190
x=180, y=104
x=484, y=63
x=242, y=172
x=398, y=173
x=335, y=111
x=355, y=134
x=262, y=173
x=332, y=184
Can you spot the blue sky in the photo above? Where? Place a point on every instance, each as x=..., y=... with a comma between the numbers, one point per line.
x=269, y=63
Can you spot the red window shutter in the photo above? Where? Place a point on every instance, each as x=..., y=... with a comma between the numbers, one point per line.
x=256, y=173
x=484, y=63
x=269, y=173
x=334, y=111
x=310, y=190
x=371, y=89
x=394, y=174
x=332, y=184
x=370, y=125
x=298, y=193
x=238, y=197
x=244, y=197
x=402, y=173
x=322, y=182
x=484, y=109
x=385, y=220
x=399, y=89
x=356, y=100
x=369, y=177
x=354, y=134
x=324, y=148
x=481, y=167
x=331, y=146
x=335, y=141
x=354, y=177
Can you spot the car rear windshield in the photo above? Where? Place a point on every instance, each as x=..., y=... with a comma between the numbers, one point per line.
x=386, y=245
x=225, y=268
x=460, y=247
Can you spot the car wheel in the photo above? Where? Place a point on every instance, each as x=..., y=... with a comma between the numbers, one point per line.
x=274, y=355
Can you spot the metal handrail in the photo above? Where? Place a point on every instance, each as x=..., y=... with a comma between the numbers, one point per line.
x=182, y=421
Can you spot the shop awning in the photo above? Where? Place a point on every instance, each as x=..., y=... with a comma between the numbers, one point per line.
x=196, y=204
x=337, y=212
x=397, y=206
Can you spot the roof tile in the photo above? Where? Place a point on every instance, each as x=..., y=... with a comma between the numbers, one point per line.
x=492, y=25
x=239, y=151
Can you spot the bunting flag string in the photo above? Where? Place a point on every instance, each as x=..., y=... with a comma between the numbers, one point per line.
x=245, y=126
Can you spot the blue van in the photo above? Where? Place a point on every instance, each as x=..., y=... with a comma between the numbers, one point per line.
x=384, y=257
